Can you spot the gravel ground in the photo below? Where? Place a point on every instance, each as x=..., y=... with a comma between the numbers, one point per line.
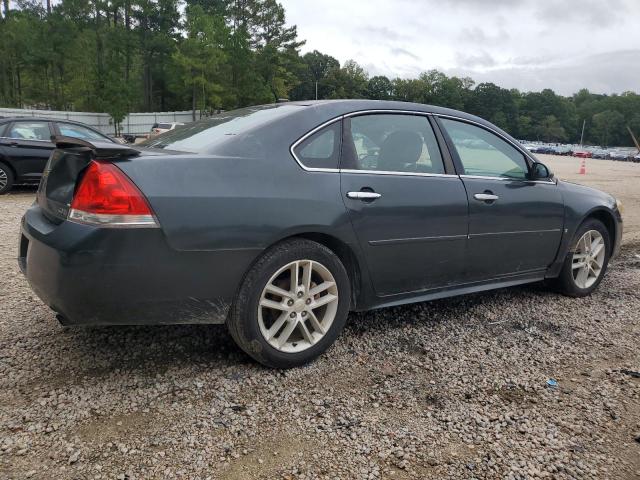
x=453, y=388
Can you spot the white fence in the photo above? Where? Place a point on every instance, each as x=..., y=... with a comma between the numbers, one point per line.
x=134, y=123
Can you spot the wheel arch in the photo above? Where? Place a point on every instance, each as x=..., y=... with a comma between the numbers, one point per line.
x=4, y=161
x=346, y=255
x=609, y=221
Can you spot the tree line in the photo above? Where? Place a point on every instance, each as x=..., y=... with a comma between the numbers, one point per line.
x=120, y=56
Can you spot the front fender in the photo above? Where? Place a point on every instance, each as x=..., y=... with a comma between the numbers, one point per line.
x=582, y=202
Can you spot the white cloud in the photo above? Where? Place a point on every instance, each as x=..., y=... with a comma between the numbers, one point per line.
x=528, y=44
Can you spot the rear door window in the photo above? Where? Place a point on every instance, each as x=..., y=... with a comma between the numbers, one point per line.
x=397, y=143
x=78, y=131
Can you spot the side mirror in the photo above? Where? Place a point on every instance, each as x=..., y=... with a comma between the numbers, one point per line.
x=540, y=171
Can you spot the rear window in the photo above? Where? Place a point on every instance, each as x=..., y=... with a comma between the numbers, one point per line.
x=202, y=136
x=164, y=126
x=78, y=131
x=322, y=149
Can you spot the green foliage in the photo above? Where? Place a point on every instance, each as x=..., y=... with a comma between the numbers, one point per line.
x=119, y=56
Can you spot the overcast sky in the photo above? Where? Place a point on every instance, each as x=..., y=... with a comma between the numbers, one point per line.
x=527, y=44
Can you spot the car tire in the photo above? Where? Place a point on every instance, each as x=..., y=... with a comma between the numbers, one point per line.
x=569, y=282
x=6, y=178
x=305, y=323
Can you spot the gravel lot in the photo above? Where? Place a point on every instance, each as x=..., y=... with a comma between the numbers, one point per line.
x=453, y=388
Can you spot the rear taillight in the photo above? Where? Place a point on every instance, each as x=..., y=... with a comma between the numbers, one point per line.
x=107, y=197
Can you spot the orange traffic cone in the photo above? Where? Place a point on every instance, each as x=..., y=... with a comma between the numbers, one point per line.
x=583, y=167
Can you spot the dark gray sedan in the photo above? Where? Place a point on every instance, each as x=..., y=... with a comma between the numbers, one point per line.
x=278, y=220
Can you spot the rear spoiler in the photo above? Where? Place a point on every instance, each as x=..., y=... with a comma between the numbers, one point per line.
x=99, y=149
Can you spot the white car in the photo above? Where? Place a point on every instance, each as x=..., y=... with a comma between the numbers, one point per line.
x=159, y=128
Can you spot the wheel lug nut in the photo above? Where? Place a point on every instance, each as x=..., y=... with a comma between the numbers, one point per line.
x=304, y=314
x=292, y=314
x=290, y=302
x=308, y=301
x=300, y=294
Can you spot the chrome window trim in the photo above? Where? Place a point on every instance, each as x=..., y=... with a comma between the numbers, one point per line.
x=26, y=139
x=340, y=118
x=507, y=179
x=518, y=147
x=521, y=149
x=402, y=174
x=410, y=174
x=378, y=111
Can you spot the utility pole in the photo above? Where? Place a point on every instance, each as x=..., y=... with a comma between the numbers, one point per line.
x=316, y=89
x=582, y=135
x=634, y=138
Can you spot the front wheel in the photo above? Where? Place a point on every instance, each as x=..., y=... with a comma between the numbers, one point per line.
x=6, y=179
x=292, y=304
x=587, y=260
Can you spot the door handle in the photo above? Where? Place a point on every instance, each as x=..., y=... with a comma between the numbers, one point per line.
x=13, y=144
x=363, y=195
x=486, y=197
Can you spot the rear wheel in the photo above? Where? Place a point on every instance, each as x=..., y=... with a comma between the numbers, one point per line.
x=6, y=178
x=587, y=260
x=292, y=304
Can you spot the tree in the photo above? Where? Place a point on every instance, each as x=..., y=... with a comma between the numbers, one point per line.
x=608, y=127
x=550, y=130
x=350, y=81
x=200, y=55
x=315, y=70
x=119, y=56
x=379, y=88
x=276, y=47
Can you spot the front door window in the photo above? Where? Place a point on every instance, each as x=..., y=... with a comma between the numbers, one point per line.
x=483, y=153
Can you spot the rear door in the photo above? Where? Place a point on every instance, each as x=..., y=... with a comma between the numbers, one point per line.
x=27, y=144
x=406, y=205
x=515, y=224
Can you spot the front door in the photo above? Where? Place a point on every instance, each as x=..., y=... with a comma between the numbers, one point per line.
x=408, y=212
x=515, y=224
x=28, y=145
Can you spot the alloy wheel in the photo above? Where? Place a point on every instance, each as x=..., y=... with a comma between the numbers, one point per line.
x=588, y=259
x=298, y=306
x=4, y=178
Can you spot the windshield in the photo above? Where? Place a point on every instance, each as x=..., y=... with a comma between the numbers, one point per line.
x=203, y=135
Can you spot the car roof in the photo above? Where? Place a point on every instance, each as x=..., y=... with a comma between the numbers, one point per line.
x=342, y=107
x=44, y=119
x=363, y=104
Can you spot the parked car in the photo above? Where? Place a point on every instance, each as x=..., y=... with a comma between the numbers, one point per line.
x=279, y=220
x=561, y=150
x=618, y=155
x=582, y=154
x=599, y=153
x=25, y=146
x=159, y=128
